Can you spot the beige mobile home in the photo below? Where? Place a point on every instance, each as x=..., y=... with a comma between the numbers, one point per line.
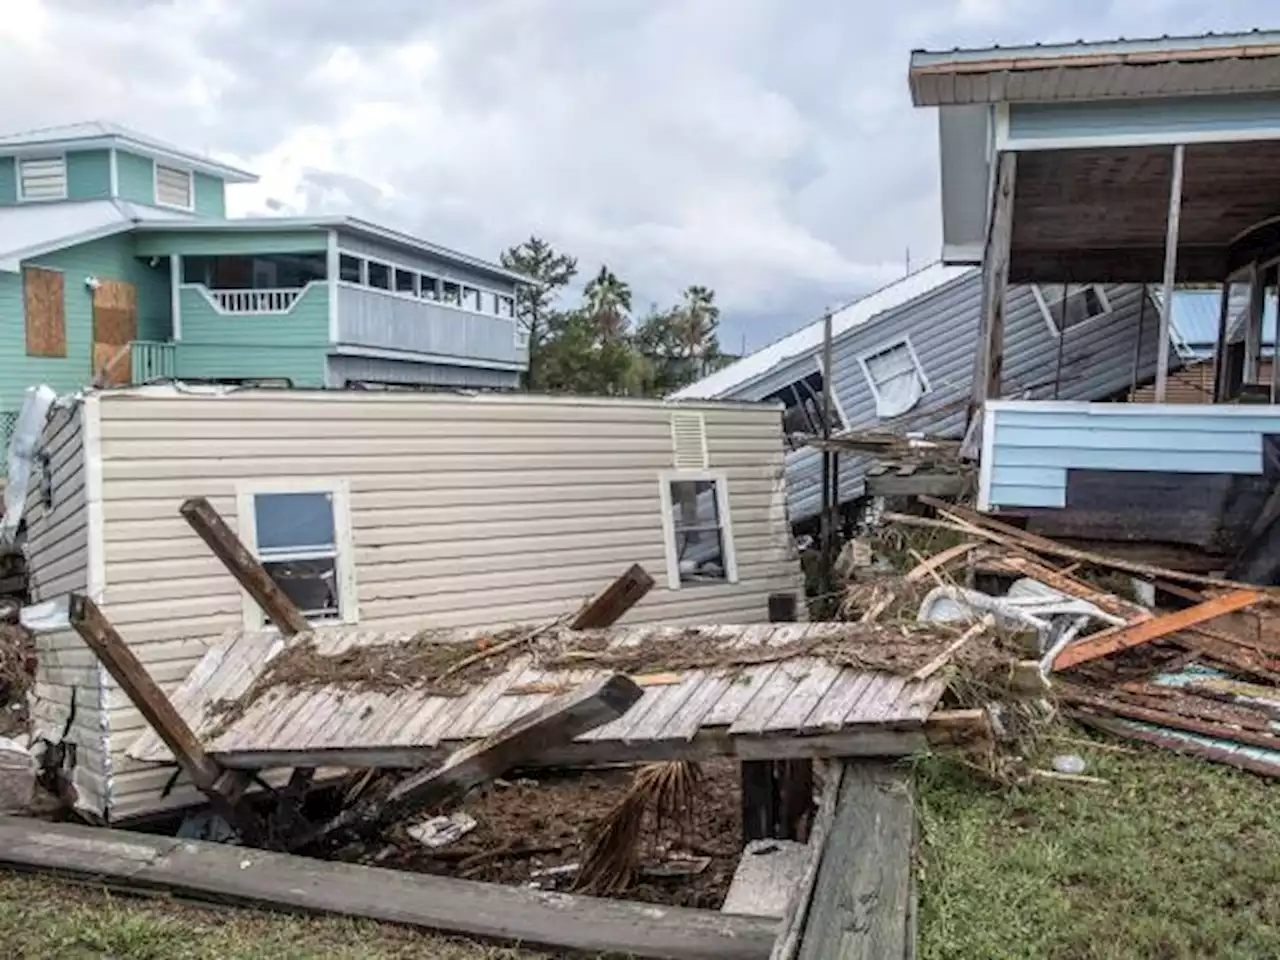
x=388, y=510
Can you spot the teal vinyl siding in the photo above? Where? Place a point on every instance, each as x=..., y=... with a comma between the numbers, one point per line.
x=136, y=177
x=1156, y=120
x=292, y=345
x=110, y=258
x=89, y=175
x=212, y=242
x=210, y=197
x=8, y=182
x=1033, y=445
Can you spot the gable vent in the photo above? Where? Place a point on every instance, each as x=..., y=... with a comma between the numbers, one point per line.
x=42, y=178
x=689, y=441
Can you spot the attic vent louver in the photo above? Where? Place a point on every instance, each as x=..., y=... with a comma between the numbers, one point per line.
x=689, y=441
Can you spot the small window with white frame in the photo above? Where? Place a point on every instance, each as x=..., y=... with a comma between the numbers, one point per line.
x=1066, y=306
x=300, y=531
x=697, y=530
x=895, y=376
x=42, y=178
x=803, y=400
x=174, y=187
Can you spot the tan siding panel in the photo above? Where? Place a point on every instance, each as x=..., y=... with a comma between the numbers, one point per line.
x=57, y=545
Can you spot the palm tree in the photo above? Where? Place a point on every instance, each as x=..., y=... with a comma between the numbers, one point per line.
x=696, y=322
x=608, y=302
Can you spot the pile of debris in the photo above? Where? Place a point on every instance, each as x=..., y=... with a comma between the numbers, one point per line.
x=1177, y=659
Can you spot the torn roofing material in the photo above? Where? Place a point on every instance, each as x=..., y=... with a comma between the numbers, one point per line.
x=809, y=338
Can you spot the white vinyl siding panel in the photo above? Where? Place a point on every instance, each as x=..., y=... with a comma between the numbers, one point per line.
x=57, y=533
x=464, y=511
x=42, y=178
x=174, y=187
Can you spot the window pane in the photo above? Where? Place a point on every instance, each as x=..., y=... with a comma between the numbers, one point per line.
x=508, y=306
x=430, y=288
x=311, y=584
x=404, y=281
x=294, y=522
x=700, y=556
x=471, y=298
x=379, y=275
x=348, y=268
x=693, y=504
x=897, y=381
x=452, y=293
x=803, y=402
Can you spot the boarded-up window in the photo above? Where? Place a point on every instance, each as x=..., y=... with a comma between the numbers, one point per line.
x=173, y=187
x=46, y=313
x=42, y=178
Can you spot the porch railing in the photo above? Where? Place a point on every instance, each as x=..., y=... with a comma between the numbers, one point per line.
x=152, y=360
x=275, y=300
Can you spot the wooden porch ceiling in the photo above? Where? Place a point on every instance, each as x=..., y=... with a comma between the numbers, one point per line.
x=1099, y=214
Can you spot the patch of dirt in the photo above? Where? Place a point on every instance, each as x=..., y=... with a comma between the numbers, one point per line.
x=528, y=825
x=17, y=673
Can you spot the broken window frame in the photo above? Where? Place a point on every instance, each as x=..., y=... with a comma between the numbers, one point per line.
x=809, y=407
x=1049, y=300
x=342, y=551
x=672, y=528
x=879, y=350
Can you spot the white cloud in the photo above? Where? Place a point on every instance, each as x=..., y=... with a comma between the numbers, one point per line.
x=763, y=147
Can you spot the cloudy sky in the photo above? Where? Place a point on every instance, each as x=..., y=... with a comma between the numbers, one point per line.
x=767, y=148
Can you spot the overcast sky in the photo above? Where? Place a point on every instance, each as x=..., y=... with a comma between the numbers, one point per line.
x=766, y=148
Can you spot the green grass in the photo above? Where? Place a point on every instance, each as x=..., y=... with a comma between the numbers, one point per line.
x=42, y=918
x=1177, y=858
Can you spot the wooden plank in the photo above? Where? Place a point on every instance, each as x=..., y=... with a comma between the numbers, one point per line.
x=754, y=717
x=244, y=566
x=938, y=561
x=862, y=893
x=557, y=722
x=222, y=874
x=971, y=521
x=44, y=300
x=467, y=716
x=941, y=660
x=686, y=724
x=224, y=789
x=787, y=943
x=830, y=711
x=1064, y=583
x=819, y=677
x=1123, y=638
x=668, y=706
x=615, y=600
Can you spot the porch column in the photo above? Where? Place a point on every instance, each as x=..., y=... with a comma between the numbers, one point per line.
x=995, y=277
x=175, y=298
x=1220, y=350
x=1170, y=271
x=1253, y=324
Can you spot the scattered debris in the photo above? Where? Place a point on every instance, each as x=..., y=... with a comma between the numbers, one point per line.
x=443, y=830
x=17, y=776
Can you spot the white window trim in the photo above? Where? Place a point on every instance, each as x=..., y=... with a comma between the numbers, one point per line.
x=884, y=347
x=721, y=480
x=155, y=186
x=835, y=394
x=247, y=524
x=17, y=176
x=441, y=277
x=1046, y=306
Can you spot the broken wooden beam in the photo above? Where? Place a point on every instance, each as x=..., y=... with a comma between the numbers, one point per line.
x=609, y=606
x=220, y=874
x=1132, y=635
x=1111, y=706
x=788, y=941
x=553, y=724
x=861, y=899
x=224, y=788
x=244, y=566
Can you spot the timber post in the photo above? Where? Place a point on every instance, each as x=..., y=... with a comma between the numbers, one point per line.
x=244, y=566
x=989, y=363
x=224, y=788
x=777, y=795
x=611, y=603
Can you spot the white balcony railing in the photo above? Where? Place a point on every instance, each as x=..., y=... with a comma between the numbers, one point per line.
x=250, y=301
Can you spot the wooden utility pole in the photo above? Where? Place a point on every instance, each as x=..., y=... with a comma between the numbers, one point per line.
x=224, y=788
x=244, y=566
x=830, y=480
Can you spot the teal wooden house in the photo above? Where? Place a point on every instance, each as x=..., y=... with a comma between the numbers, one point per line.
x=118, y=265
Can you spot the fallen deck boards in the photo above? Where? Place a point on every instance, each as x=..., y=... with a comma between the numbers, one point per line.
x=752, y=712
x=862, y=898
x=227, y=874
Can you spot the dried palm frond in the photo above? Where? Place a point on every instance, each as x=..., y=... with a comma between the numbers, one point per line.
x=613, y=850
